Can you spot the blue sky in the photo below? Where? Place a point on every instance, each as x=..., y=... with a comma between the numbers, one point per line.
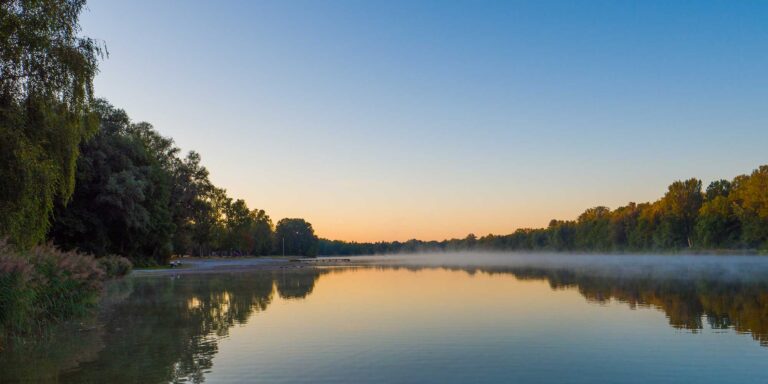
x=391, y=120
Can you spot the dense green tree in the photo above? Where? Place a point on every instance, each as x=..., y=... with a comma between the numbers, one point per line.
x=46, y=88
x=679, y=210
x=717, y=225
x=247, y=232
x=593, y=229
x=730, y=214
x=623, y=222
x=562, y=235
x=749, y=198
x=207, y=221
x=718, y=188
x=121, y=203
x=261, y=232
x=296, y=237
x=188, y=193
x=642, y=235
x=136, y=197
x=238, y=223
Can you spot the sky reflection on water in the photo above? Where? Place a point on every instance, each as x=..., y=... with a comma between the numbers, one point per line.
x=415, y=323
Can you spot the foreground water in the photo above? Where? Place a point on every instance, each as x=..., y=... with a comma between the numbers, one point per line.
x=535, y=319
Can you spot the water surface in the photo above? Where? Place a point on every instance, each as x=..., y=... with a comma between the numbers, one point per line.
x=417, y=319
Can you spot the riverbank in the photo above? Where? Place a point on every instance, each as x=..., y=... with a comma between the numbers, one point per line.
x=45, y=285
x=198, y=265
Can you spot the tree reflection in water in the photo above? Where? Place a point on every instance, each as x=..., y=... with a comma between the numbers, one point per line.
x=687, y=299
x=173, y=324
x=687, y=303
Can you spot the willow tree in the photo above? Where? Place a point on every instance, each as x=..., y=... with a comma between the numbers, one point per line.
x=46, y=89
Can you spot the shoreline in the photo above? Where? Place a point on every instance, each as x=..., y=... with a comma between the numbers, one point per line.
x=217, y=264
x=200, y=265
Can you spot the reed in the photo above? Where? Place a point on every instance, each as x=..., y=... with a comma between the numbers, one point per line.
x=45, y=284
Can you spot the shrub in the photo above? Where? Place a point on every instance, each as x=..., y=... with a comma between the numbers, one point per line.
x=16, y=294
x=45, y=284
x=115, y=266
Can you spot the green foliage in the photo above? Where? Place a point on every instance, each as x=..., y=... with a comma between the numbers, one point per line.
x=46, y=75
x=188, y=202
x=44, y=284
x=296, y=237
x=261, y=232
x=238, y=223
x=246, y=231
x=182, y=323
x=718, y=188
x=562, y=235
x=717, y=225
x=137, y=198
x=115, y=266
x=623, y=223
x=122, y=201
x=749, y=199
x=593, y=229
x=679, y=208
x=729, y=215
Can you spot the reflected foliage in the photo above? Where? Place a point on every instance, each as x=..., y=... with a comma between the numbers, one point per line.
x=688, y=304
x=295, y=285
x=691, y=300
x=172, y=323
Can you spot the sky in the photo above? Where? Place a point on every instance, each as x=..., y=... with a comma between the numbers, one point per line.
x=392, y=120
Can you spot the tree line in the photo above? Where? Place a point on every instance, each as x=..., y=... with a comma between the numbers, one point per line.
x=79, y=179
x=137, y=196
x=77, y=172
x=727, y=215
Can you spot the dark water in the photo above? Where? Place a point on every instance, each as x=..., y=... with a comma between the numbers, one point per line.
x=587, y=320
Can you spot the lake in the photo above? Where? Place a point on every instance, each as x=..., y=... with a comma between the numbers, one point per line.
x=423, y=318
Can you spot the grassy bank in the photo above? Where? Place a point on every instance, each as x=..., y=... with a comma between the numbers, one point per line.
x=44, y=285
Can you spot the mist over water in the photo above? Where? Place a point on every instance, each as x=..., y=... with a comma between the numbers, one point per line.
x=716, y=267
x=438, y=317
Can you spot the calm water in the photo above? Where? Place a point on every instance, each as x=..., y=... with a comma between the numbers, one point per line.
x=429, y=319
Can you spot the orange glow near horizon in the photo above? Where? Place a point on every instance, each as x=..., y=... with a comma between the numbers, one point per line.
x=401, y=218
x=436, y=122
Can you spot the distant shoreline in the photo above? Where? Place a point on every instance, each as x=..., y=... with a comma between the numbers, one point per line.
x=201, y=265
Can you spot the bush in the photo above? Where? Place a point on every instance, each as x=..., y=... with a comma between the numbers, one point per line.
x=45, y=284
x=16, y=294
x=115, y=266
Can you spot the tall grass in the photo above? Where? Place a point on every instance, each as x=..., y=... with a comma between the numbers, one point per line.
x=45, y=284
